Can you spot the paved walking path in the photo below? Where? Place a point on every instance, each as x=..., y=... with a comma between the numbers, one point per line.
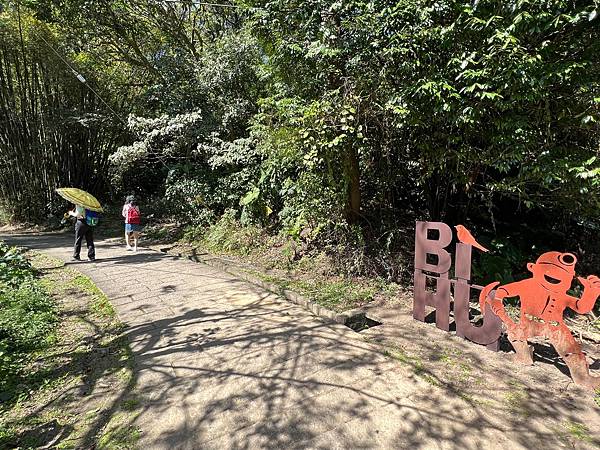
x=222, y=364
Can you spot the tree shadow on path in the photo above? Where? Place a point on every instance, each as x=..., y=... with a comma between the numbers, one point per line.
x=243, y=369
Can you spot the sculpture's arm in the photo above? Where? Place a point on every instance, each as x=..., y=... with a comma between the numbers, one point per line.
x=497, y=303
x=591, y=292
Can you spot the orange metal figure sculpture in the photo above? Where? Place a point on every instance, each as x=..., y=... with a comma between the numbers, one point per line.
x=543, y=300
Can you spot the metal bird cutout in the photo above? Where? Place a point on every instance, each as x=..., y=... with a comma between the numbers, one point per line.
x=466, y=237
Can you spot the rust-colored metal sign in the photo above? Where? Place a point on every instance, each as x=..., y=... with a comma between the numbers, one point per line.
x=543, y=298
x=433, y=262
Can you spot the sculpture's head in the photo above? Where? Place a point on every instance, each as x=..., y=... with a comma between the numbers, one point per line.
x=554, y=270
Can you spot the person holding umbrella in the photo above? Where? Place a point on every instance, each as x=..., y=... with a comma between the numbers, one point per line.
x=82, y=229
x=86, y=216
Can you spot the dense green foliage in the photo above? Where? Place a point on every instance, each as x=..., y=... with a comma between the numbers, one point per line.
x=335, y=122
x=474, y=104
x=27, y=315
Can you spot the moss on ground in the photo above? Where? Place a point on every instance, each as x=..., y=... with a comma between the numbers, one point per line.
x=100, y=302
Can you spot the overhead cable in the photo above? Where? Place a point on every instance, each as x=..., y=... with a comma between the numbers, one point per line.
x=82, y=79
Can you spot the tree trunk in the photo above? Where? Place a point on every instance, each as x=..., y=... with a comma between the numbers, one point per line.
x=354, y=199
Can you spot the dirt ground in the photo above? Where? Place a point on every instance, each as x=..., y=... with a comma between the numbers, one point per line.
x=541, y=397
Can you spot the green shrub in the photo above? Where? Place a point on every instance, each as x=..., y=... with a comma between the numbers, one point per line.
x=14, y=267
x=188, y=199
x=228, y=235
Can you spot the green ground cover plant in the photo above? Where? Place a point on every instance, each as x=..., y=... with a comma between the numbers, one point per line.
x=28, y=316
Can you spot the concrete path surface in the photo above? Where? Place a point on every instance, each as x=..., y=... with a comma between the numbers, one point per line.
x=222, y=364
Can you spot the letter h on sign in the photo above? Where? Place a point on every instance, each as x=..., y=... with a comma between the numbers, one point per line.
x=440, y=299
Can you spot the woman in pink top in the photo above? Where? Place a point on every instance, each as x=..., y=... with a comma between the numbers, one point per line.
x=131, y=213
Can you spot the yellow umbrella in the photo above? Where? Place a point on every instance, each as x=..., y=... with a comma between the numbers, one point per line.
x=80, y=197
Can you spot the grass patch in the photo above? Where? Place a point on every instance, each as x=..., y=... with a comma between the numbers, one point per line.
x=400, y=355
x=445, y=368
x=416, y=363
x=340, y=295
x=162, y=232
x=130, y=404
x=228, y=237
x=100, y=303
x=119, y=434
x=578, y=431
x=56, y=399
x=575, y=431
x=28, y=319
x=456, y=368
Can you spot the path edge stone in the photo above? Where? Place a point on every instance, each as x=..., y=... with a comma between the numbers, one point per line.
x=287, y=294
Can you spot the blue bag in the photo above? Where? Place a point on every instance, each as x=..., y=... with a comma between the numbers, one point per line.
x=91, y=218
